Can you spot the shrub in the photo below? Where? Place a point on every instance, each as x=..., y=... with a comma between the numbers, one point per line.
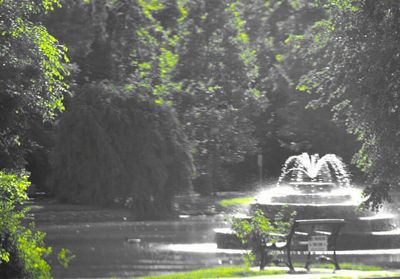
x=115, y=147
x=22, y=251
x=260, y=231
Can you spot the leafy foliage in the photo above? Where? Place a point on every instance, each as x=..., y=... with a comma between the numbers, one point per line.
x=32, y=85
x=244, y=66
x=154, y=48
x=65, y=256
x=32, y=76
x=259, y=231
x=22, y=251
x=122, y=107
x=355, y=57
x=287, y=127
x=218, y=71
x=118, y=148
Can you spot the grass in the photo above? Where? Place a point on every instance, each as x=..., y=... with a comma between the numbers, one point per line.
x=348, y=266
x=237, y=201
x=238, y=271
x=218, y=272
x=358, y=267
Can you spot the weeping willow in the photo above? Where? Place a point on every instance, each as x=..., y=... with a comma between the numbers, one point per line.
x=119, y=148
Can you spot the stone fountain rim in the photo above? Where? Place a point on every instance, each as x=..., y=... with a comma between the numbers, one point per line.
x=311, y=183
x=306, y=204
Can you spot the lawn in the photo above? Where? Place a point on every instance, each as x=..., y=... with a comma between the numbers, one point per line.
x=241, y=271
x=237, y=201
x=347, y=266
x=218, y=272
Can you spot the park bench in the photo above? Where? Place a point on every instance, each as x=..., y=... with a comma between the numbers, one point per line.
x=309, y=236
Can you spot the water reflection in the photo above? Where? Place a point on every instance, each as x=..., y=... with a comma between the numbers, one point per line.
x=128, y=249
x=200, y=248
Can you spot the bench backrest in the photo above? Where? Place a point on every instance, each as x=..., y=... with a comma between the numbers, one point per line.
x=302, y=230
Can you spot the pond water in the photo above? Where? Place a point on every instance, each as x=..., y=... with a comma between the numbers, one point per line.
x=106, y=243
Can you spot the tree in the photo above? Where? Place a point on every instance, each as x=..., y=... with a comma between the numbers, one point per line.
x=32, y=87
x=280, y=123
x=116, y=148
x=133, y=152
x=218, y=71
x=355, y=59
x=149, y=48
x=31, y=76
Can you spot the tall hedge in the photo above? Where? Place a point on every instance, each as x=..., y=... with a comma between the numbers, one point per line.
x=114, y=147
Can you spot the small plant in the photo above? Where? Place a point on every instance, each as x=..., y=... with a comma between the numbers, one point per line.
x=65, y=256
x=259, y=232
x=22, y=250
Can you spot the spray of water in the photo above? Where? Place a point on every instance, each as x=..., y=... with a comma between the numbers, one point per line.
x=311, y=168
x=309, y=179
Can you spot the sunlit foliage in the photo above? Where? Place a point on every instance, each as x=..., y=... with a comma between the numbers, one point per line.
x=32, y=76
x=259, y=231
x=22, y=251
x=32, y=85
x=355, y=59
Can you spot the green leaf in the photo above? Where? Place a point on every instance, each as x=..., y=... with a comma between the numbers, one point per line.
x=302, y=87
x=159, y=101
x=279, y=57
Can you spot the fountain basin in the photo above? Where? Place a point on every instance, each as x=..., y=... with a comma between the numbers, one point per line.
x=319, y=188
x=313, y=187
x=370, y=231
x=355, y=240
x=316, y=198
x=226, y=239
x=310, y=211
x=348, y=240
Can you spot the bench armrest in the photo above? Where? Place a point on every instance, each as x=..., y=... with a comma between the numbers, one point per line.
x=319, y=221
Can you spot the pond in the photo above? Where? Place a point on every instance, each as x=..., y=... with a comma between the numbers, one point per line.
x=106, y=243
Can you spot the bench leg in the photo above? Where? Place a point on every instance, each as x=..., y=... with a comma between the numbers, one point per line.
x=335, y=261
x=263, y=258
x=335, y=235
x=308, y=262
x=289, y=262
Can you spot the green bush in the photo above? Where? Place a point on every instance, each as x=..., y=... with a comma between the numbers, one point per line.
x=117, y=148
x=260, y=231
x=22, y=252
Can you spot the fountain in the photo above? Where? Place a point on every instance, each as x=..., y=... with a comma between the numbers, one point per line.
x=318, y=188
